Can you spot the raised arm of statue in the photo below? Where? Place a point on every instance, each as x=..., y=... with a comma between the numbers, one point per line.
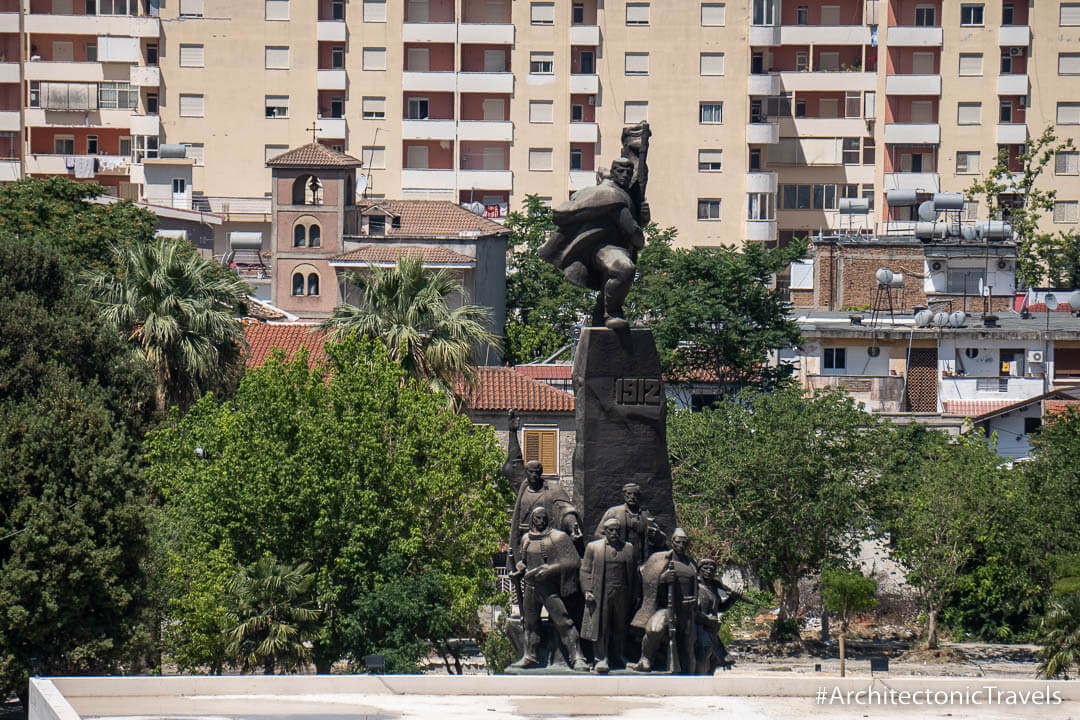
x=514, y=467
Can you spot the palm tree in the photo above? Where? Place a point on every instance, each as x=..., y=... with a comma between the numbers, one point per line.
x=406, y=307
x=178, y=308
x=273, y=614
x=1060, y=637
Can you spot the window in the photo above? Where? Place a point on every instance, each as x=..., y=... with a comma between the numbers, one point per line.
x=850, y=152
x=969, y=113
x=314, y=236
x=337, y=9
x=91, y=144
x=637, y=13
x=541, y=63
x=575, y=158
x=971, y=64
x=964, y=280
x=710, y=160
x=765, y=12
x=91, y=52
x=299, y=236
x=760, y=206
x=830, y=15
x=417, y=109
x=1005, y=112
x=277, y=106
x=585, y=61
x=800, y=107
x=179, y=186
x=853, y=104
x=828, y=108
x=829, y=61
x=64, y=144
x=1067, y=163
x=1068, y=113
x=191, y=8
x=374, y=58
x=540, y=159
x=967, y=162
x=971, y=14
x=577, y=113
x=192, y=56
x=542, y=13
x=374, y=11
x=374, y=157
x=542, y=445
x=151, y=52
x=713, y=14
x=712, y=63
x=1069, y=15
x=636, y=63
x=868, y=194
x=577, y=14
x=1065, y=211
x=834, y=359
x=1006, y=63
x=337, y=57
x=373, y=108
x=541, y=111
x=802, y=15
x=277, y=9
x=755, y=159
x=708, y=209
x=298, y=284
x=925, y=16
x=971, y=210
x=711, y=113
x=1069, y=64
x=117, y=95
x=272, y=151
x=313, y=284
x=277, y=57
x=802, y=60
x=1008, y=14
x=146, y=146
x=197, y=152
x=635, y=112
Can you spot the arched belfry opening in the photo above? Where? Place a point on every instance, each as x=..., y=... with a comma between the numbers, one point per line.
x=307, y=190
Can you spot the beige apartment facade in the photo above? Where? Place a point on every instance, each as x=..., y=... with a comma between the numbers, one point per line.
x=771, y=119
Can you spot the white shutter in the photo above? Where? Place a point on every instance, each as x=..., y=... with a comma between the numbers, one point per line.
x=636, y=63
x=192, y=56
x=118, y=49
x=971, y=64
x=635, y=112
x=1068, y=113
x=540, y=158
x=373, y=107
x=1069, y=64
x=1065, y=211
x=493, y=158
x=277, y=9
x=494, y=110
x=802, y=275
x=828, y=108
x=969, y=113
x=191, y=106
x=277, y=57
x=637, y=13
x=1070, y=14
x=375, y=157
x=713, y=14
x=1067, y=163
x=830, y=15
x=418, y=59
x=191, y=8
x=374, y=58
x=375, y=11
x=542, y=13
x=541, y=111
x=712, y=63
x=922, y=63
x=820, y=151
x=197, y=152
x=710, y=157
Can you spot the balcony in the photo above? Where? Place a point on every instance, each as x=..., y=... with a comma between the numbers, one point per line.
x=485, y=130
x=9, y=22
x=923, y=182
x=120, y=119
x=760, y=230
x=588, y=35
x=823, y=127
x=9, y=120
x=9, y=72
x=331, y=127
x=908, y=36
x=428, y=179
x=1014, y=36
x=145, y=124
x=331, y=80
x=478, y=82
x=824, y=81
x=103, y=25
x=760, y=182
x=145, y=76
x=763, y=84
x=913, y=85
x=429, y=81
x=580, y=179
x=1015, y=84
x=485, y=180
x=486, y=34
x=61, y=71
x=880, y=393
x=48, y=164
x=762, y=133
x=587, y=84
x=584, y=132
x=1011, y=133
x=331, y=31
x=427, y=129
x=429, y=32
x=824, y=35
x=9, y=170
x=913, y=133
x=764, y=35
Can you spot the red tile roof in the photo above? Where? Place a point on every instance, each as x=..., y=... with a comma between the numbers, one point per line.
x=313, y=155
x=550, y=371
x=974, y=408
x=263, y=338
x=435, y=218
x=499, y=389
x=390, y=254
x=1056, y=406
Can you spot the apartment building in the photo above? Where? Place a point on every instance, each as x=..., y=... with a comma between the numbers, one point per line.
x=771, y=119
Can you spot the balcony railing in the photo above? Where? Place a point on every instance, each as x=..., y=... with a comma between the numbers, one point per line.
x=911, y=36
x=881, y=393
x=825, y=35
x=913, y=85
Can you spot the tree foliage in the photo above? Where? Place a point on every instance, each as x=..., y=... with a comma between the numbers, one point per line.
x=847, y=592
x=342, y=466
x=1059, y=635
x=776, y=481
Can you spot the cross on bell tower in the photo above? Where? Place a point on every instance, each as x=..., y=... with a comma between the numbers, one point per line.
x=313, y=130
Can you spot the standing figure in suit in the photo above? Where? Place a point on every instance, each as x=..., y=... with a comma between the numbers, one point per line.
x=609, y=577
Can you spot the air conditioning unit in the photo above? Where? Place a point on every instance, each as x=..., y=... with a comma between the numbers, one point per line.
x=1002, y=264
x=1035, y=356
x=592, y=99
x=937, y=266
x=1022, y=101
x=1016, y=52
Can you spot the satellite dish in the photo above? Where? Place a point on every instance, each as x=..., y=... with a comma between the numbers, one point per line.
x=884, y=276
x=957, y=319
x=941, y=319
x=927, y=212
x=1051, y=301
x=1074, y=301
x=923, y=318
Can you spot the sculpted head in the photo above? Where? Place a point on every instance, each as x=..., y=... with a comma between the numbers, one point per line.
x=534, y=472
x=622, y=172
x=538, y=519
x=707, y=568
x=612, y=531
x=631, y=493
x=680, y=541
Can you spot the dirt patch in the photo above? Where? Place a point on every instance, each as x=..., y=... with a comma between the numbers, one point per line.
x=930, y=657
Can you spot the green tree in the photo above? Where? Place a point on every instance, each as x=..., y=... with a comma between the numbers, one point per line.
x=179, y=310
x=196, y=603
x=74, y=402
x=847, y=592
x=272, y=616
x=1059, y=635
x=713, y=313
x=409, y=309
x=1017, y=198
x=343, y=466
x=776, y=481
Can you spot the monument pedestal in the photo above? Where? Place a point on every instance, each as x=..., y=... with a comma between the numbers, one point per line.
x=621, y=413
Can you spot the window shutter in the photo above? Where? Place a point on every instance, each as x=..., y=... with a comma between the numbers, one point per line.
x=635, y=112
x=277, y=57
x=531, y=451
x=374, y=58
x=277, y=9
x=636, y=63
x=830, y=15
x=197, y=152
x=373, y=157
x=548, y=450
x=713, y=14
x=971, y=63
x=540, y=158
x=1070, y=14
x=191, y=106
x=968, y=113
x=272, y=151
x=191, y=8
x=542, y=13
x=374, y=106
x=192, y=56
x=712, y=63
x=637, y=13
x=711, y=157
x=1069, y=64
x=374, y=11
x=1068, y=113
x=541, y=111
x=1067, y=163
